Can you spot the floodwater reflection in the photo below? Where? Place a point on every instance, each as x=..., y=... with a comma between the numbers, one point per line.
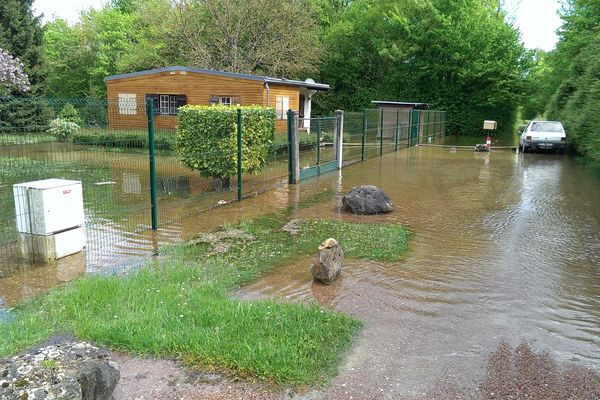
x=506, y=246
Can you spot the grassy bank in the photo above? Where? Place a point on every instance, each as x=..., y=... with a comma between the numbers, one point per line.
x=180, y=305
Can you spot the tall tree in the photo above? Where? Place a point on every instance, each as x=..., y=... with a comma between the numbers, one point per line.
x=247, y=36
x=21, y=35
x=577, y=77
x=88, y=51
x=251, y=36
x=459, y=56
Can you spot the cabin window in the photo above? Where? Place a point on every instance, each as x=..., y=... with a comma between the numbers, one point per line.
x=167, y=104
x=228, y=100
x=127, y=104
x=282, y=105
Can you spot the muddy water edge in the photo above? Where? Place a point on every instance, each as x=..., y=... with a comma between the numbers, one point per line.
x=506, y=248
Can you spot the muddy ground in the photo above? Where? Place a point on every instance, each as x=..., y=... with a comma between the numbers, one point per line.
x=511, y=373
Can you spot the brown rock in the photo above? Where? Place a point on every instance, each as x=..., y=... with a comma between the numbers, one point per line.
x=329, y=263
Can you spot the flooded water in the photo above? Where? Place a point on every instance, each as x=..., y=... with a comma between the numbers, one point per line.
x=506, y=247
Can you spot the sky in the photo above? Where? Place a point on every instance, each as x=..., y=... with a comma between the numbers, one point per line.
x=537, y=19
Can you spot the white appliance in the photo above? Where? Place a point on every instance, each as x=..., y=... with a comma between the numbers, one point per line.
x=50, y=218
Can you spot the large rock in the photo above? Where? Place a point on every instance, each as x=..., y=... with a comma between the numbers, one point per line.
x=74, y=371
x=367, y=200
x=329, y=262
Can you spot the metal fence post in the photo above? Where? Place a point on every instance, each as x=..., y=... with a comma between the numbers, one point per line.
x=239, y=154
x=397, y=132
x=151, y=150
x=362, y=141
x=339, y=135
x=293, y=149
x=410, y=128
x=381, y=135
x=319, y=140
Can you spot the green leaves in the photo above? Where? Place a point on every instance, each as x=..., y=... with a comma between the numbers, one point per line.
x=207, y=138
x=459, y=56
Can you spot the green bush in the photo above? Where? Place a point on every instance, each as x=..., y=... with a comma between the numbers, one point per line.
x=62, y=130
x=69, y=113
x=207, y=138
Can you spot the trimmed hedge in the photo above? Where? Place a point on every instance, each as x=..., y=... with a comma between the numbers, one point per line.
x=130, y=139
x=207, y=138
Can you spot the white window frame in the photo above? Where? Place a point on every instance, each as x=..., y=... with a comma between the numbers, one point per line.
x=127, y=103
x=282, y=105
x=225, y=100
x=164, y=104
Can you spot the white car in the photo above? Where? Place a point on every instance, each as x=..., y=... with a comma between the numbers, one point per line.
x=543, y=135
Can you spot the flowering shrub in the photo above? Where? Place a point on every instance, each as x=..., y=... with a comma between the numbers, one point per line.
x=63, y=130
x=12, y=76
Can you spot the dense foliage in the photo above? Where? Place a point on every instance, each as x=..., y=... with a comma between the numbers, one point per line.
x=22, y=36
x=207, y=138
x=565, y=84
x=462, y=57
x=260, y=36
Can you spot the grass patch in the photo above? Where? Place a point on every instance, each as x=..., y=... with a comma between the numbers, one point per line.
x=181, y=305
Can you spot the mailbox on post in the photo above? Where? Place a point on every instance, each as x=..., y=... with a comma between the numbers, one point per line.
x=489, y=125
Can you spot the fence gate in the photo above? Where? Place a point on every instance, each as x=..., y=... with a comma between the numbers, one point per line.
x=315, y=145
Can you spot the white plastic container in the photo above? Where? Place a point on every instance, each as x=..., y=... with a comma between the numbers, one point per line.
x=49, y=218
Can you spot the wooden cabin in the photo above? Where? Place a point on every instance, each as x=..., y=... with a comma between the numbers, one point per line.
x=172, y=87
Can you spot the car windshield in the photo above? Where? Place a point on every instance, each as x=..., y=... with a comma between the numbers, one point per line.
x=546, y=127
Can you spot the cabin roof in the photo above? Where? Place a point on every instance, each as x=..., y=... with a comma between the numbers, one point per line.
x=265, y=79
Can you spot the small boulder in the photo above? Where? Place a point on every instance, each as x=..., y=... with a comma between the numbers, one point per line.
x=367, y=200
x=329, y=263
x=74, y=371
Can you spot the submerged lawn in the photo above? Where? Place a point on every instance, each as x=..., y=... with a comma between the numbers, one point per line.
x=180, y=305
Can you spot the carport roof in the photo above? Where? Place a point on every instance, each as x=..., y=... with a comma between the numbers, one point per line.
x=400, y=103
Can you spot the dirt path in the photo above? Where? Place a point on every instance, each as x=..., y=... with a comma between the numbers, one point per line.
x=152, y=379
